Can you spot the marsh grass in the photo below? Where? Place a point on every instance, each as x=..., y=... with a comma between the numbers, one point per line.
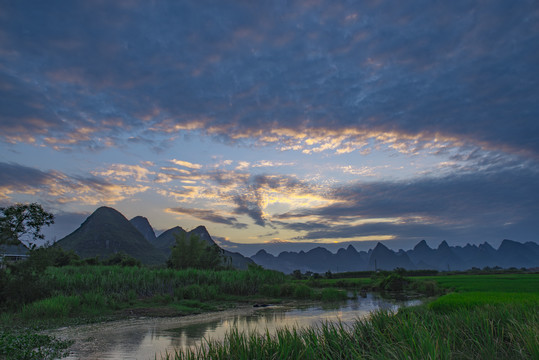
x=491, y=332
x=87, y=292
x=145, y=282
x=502, y=323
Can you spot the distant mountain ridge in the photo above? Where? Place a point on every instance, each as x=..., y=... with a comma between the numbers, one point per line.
x=106, y=231
x=444, y=257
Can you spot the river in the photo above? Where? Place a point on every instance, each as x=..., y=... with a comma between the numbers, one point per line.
x=144, y=338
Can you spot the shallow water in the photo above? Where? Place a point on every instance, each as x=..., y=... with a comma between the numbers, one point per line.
x=144, y=338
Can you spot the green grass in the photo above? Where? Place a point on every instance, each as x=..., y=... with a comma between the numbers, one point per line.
x=351, y=283
x=331, y=294
x=482, y=333
x=491, y=317
x=518, y=283
x=147, y=282
x=470, y=300
x=94, y=291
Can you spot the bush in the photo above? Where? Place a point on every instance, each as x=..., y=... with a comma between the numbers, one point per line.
x=22, y=286
x=393, y=282
x=302, y=291
x=195, y=253
x=122, y=259
x=22, y=346
x=331, y=294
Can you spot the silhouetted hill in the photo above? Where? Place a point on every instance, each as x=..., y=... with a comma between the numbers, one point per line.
x=202, y=234
x=444, y=257
x=382, y=258
x=317, y=260
x=143, y=225
x=106, y=232
x=166, y=241
x=517, y=254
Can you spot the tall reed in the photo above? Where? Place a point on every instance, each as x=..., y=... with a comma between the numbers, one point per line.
x=490, y=332
x=146, y=282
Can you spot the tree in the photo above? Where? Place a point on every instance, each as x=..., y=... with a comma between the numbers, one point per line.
x=194, y=253
x=19, y=220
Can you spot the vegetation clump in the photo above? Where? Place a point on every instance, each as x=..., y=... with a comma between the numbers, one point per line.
x=501, y=324
x=20, y=220
x=30, y=346
x=192, y=252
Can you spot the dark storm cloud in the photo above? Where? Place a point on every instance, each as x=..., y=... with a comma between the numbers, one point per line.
x=463, y=70
x=251, y=207
x=250, y=201
x=464, y=205
x=210, y=215
x=18, y=177
x=245, y=191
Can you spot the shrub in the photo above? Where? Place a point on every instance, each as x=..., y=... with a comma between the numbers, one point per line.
x=393, y=282
x=331, y=294
x=51, y=308
x=302, y=291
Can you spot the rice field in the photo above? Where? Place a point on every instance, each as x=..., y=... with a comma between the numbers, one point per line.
x=512, y=283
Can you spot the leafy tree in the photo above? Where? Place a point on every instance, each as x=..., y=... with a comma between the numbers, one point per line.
x=122, y=259
x=194, y=253
x=23, y=219
x=45, y=256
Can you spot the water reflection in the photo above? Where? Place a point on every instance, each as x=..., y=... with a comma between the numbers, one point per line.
x=145, y=337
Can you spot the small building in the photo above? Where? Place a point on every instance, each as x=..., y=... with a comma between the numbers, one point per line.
x=12, y=253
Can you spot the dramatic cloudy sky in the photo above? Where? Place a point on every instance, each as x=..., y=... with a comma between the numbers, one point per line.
x=276, y=121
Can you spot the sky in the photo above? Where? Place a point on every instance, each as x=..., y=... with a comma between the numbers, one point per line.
x=276, y=123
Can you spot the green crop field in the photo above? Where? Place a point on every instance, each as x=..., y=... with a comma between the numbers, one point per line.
x=513, y=283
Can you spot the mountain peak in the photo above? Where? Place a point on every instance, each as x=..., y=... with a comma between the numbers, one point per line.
x=379, y=246
x=509, y=242
x=203, y=234
x=143, y=225
x=201, y=231
x=105, y=232
x=422, y=245
x=486, y=246
x=106, y=210
x=443, y=245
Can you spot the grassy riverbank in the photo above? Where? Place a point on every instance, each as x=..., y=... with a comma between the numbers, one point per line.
x=467, y=324
x=89, y=291
x=68, y=295
x=492, y=315
x=39, y=297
